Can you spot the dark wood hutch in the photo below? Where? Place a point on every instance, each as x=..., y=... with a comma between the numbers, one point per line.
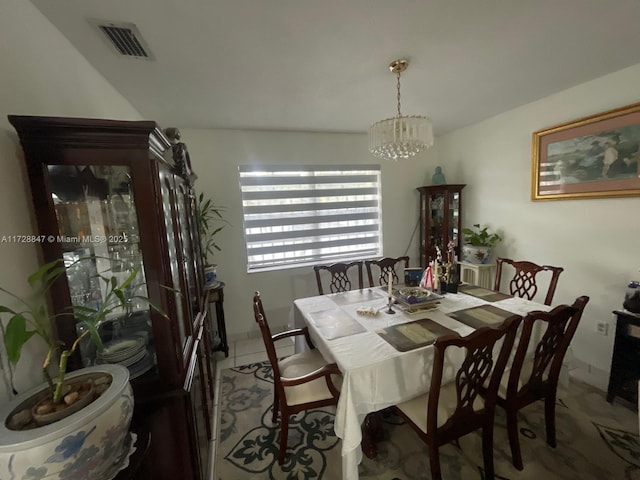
x=440, y=219
x=120, y=195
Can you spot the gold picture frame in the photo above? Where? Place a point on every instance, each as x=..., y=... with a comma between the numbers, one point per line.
x=594, y=157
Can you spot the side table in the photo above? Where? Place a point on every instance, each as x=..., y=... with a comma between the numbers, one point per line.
x=625, y=361
x=216, y=296
x=482, y=275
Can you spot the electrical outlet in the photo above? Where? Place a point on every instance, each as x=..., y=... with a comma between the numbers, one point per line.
x=602, y=328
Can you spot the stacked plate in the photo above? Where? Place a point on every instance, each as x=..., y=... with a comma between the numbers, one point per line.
x=130, y=352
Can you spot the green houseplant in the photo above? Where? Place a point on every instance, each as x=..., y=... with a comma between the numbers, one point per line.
x=479, y=243
x=211, y=222
x=480, y=237
x=56, y=444
x=32, y=319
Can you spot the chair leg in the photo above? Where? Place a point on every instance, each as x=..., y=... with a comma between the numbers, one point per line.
x=434, y=462
x=514, y=440
x=487, y=451
x=276, y=405
x=550, y=419
x=284, y=431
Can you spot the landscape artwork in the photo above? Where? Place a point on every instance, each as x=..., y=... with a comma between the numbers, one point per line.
x=597, y=156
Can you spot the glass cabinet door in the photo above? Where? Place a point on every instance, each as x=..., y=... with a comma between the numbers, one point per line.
x=437, y=218
x=175, y=255
x=98, y=232
x=453, y=233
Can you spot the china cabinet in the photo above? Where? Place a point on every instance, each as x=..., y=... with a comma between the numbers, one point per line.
x=112, y=198
x=440, y=217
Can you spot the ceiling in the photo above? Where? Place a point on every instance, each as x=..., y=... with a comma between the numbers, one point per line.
x=322, y=65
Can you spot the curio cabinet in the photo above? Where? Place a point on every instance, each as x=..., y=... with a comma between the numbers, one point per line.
x=119, y=197
x=440, y=217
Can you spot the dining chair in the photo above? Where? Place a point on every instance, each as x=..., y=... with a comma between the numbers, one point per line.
x=301, y=381
x=384, y=267
x=524, y=284
x=532, y=377
x=338, y=275
x=457, y=408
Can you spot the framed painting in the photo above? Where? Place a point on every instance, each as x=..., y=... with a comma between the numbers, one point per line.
x=594, y=157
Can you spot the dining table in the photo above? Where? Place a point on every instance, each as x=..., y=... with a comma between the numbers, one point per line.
x=386, y=358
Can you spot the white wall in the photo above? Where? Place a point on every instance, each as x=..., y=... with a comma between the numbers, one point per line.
x=216, y=155
x=596, y=241
x=42, y=74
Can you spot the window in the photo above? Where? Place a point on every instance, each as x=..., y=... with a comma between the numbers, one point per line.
x=297, y=215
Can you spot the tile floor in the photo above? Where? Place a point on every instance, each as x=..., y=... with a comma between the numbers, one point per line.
x=241, y=352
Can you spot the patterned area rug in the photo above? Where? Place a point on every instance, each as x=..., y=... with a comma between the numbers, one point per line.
x=596, y=440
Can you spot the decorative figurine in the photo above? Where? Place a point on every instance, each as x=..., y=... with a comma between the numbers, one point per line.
x=453, y=276
x=438, y=177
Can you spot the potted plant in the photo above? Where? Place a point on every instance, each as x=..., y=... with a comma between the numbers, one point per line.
x=84, y=429
x=478, y=244
x=211, y=223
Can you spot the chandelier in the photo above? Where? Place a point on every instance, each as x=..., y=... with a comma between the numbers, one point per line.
x=400, y=136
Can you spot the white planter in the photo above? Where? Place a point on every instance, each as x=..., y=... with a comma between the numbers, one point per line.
x=87, y=445
x=477, y=255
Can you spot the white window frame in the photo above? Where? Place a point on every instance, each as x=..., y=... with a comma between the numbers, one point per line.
x=297, y=215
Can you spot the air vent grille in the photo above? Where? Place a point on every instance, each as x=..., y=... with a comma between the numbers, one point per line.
x=125, y=38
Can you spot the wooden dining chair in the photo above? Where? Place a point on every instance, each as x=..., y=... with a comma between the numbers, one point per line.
x=338, y=276
x=524, y=283
x=385, y=267
x=301, y=381
x=534, y=377
x=457, y=408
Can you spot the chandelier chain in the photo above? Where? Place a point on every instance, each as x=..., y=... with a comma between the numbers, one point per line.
x=398, y=87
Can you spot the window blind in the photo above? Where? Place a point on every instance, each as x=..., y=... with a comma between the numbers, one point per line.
x=310, y=214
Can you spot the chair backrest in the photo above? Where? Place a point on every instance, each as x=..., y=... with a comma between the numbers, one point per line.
x=261, y=320
x=523, y=284
x=478, y=370
x=339, y=280
x=561, y=324
x=385, y=267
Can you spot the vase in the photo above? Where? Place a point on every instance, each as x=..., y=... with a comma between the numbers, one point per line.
x=210, y=273
x=476, y=254
x=86, y=445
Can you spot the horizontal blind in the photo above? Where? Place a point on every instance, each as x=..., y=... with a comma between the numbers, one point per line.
x=310, y=214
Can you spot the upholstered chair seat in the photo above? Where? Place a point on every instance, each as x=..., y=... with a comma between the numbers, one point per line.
x=300, y=364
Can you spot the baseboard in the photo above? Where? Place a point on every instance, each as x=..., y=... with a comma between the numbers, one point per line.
x=590, y=374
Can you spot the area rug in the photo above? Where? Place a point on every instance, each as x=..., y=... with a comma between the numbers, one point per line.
x=596, y=440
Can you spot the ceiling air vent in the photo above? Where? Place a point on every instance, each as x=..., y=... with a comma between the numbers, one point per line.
x=125, y=38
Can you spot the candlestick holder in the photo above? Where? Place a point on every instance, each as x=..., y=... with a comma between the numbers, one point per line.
x=390, y=309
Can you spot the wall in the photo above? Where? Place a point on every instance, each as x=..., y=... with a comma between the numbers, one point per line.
x=215, y=157
x=596, y=241
x=42, y=74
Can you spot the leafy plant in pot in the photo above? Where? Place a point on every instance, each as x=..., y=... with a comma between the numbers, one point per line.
x=478, y=244
x=211, y=222
x=84, y=430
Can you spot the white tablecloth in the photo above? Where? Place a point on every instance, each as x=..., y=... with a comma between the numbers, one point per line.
x=376, y=375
